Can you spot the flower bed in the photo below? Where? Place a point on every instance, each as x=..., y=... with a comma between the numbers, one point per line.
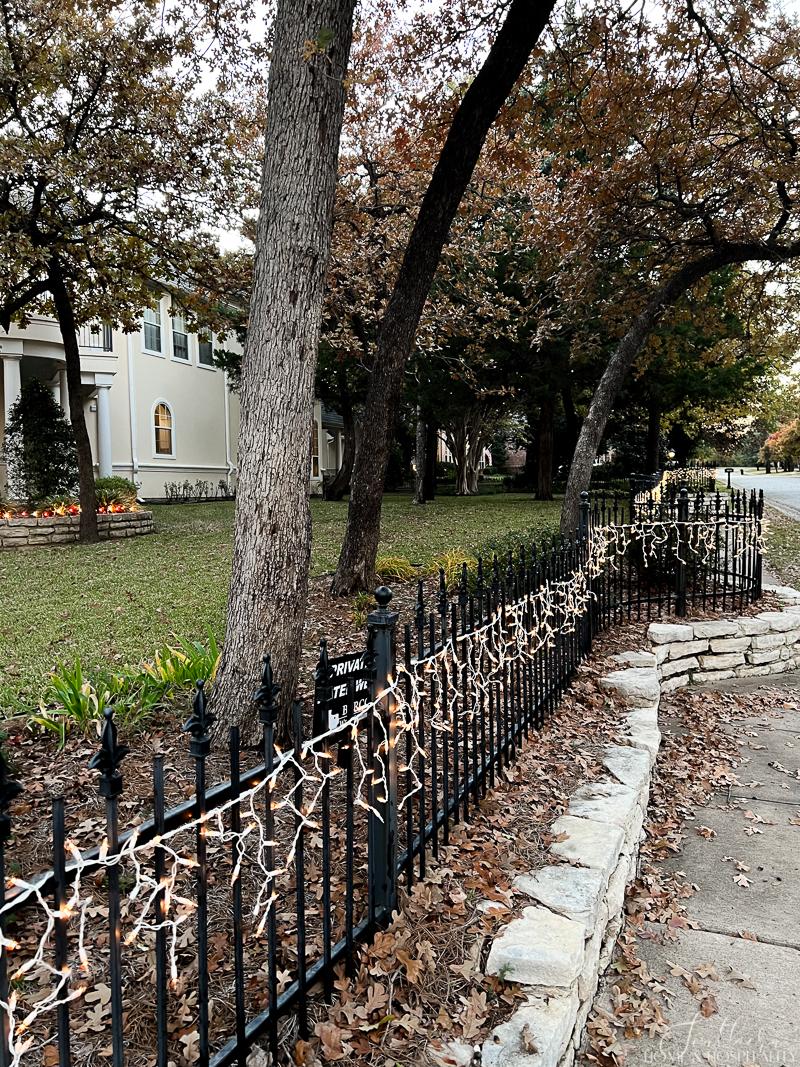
x=51, y=529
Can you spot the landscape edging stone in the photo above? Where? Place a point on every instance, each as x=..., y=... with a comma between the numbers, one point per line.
x=603, y=826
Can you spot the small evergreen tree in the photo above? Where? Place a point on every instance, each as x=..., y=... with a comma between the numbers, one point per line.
x=39, y=447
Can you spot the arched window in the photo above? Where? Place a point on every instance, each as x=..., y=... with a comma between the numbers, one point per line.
x=162, y=427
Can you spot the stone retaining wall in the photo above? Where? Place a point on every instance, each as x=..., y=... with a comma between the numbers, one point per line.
x=63, y=529
x=563, y=942
x=745, y=647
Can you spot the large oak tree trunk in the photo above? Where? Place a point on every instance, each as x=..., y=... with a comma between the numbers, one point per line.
x=272, y=543
x=653, y=449
x=544, y=450
x=431, y=458
x=420, y=463
x=622, y=360
x=83, y=446
x=340, y=483
x=478, y=109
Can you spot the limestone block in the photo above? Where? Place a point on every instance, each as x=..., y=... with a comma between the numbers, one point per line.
x=606, y=801
x=729, y=644
x=679, y=666
x=588, y=843
x=777, y=668
x=587, y=981
x=722, y=663
x=753, y=626
x=752, y=671
x=712, y=676
x=541, y=948
x=716, y=628
x=771, y=640
x=661, y=652
x=781, y=620
x=630, y=766
x=644, y=734
x=635, y=659
x=665, y=633
x=615, y=894
x=786, y=652
x=636, y=686
x=677, y=682
x=687, y=648
x=547, y=1023
x=576, y=892
x=768, y=655
x=792, y=637
x=784, y=592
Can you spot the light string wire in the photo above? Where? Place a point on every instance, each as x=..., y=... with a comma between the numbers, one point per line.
x=478, y=658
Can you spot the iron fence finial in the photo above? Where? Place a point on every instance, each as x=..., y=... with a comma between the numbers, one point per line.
x=109, y=756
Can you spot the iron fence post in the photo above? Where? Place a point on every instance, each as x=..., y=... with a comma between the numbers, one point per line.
x=9, y=789
x=107, y=762
x=681, y=549
x=584, y=550
x=198, y=726
x=383, y=818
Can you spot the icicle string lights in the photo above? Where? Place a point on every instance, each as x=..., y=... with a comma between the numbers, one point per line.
x=460, y=673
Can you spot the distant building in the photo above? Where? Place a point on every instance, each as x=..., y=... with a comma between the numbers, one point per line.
x=157, y=409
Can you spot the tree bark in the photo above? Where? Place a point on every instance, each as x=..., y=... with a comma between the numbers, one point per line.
x=544, y=450
x=431, y=458
x=622, y=360
x=653, y=449
x=272, y=540
x=69, y=335
x=340, y=483
x=420, y=465
x=477, y=111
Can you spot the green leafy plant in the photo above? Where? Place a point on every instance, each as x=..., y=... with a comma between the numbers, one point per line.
x=73, y=701
x=394, y=568
x=452, y=563
x=115, y=490
x=181, y=665
x=362, y=603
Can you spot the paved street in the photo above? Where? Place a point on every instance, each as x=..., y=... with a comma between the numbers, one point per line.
x=782, y=491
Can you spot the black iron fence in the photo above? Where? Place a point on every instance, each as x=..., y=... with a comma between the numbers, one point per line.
x=227, y=911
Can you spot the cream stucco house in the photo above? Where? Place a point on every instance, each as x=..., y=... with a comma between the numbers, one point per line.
x=157, y=409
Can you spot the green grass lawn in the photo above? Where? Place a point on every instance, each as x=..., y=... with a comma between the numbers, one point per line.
x=117, y=602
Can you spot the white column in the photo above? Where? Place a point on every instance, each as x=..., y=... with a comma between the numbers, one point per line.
x=12, y=380
x=63, y=389
x=103, y=431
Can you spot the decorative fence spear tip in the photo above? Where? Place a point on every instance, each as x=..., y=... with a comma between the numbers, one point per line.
x=202, y=719
x=109, y=756
x=265, y=697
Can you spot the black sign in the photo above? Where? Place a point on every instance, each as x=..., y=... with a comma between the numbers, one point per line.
x=342, y=669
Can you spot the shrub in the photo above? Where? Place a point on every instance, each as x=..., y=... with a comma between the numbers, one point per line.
x=452, y=563
x=362, y=602
x=394, y=568
x=39, y=446
x=115, y=490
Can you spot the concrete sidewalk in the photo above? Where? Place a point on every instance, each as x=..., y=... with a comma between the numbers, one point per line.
x=755, y=983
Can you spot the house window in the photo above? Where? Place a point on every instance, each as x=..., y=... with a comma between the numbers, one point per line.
x=314, y=449
x=162, y=425
x=205, y=350
x=180, y=338
x=152, y=328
